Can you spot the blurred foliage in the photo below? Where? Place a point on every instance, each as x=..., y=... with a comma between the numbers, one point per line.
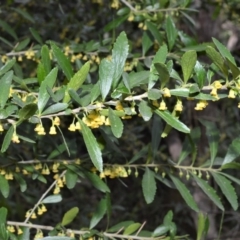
x=115, y=117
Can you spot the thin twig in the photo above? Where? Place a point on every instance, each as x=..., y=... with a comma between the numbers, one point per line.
x=43, y=196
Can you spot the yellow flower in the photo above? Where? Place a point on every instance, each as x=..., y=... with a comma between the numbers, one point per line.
x=131, y=17
x=107, y=122
x=29, y=54
x=56, y=190
x=238, y=105
x=140, y=25
x=11, y=229
x=119, y=106
x=231, y=94
x=201, y=105
x=43, y=208
x=217, y=85
x=162, y=106
x=15, y=138
x=52, y=130
x=34, y=216
x=155, y=103
x=1, y=128
x=179, y=106
x=40, y=130
x=214, y=92
x=166, y=92
x=72, y=127
x=56, y=121
x=39, y=212
x=45, y=170
x=19, y=231
x=77, y=126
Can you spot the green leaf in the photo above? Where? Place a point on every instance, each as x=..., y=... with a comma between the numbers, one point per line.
x=200, y=74
x=146, y=43
x=36, y=35
x=69, y=216
x=164, y=75
x=115, y=123
x=161, y=230
x=209, y=191
x=234, y=69
x=63, y=62
x=154, y=31
x=149, y=186
x=202, y=226
x=92, y=146
x=22, y=183
x=131, y=228
x=184, y=193
x=224, y=51
x=4, y=186
x=44, y=96
x=121, y=225
x=119, y=56
x=138, y=78
x=115, y=23
x=106, y=72
x=172, y=121
x=95, y=92
x=41, y=74
x=46, y=61
x=6, y=27
x=227, y=189
x=71, y=179
x=55, y=108
x=98, y=213
x=188, y=62
x=7, y=139
x=233, y=151
x=97, y=182
x=25, y=14
x=171, y=31
x=145, y=110
x=27, y=111
x=52, y=199
x=77, y=80
x=213, y=137
x=54, y=238
x=5, y=84
x=236, y=180
x=3, y=215
x=154, y=94
x=156, y=134
x=217, y=59
x=9, y=64
x=21, y=45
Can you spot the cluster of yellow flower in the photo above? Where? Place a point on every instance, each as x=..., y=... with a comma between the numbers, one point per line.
x=130, y=65
x=11, y=229
x=142, y=25
x=59, y=183
x=201, y=105
x=92, y=120
x=40, y=210
x=38, y=235
x=113, y=172
x=216, y=85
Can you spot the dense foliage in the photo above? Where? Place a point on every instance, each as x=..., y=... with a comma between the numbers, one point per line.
x=116, y=122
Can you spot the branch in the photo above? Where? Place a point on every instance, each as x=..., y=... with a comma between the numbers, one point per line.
x=43, y=196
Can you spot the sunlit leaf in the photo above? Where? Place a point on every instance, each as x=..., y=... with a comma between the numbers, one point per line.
x=5, y=85
x=188, y=62
x=69, y=216
x=116, y=124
